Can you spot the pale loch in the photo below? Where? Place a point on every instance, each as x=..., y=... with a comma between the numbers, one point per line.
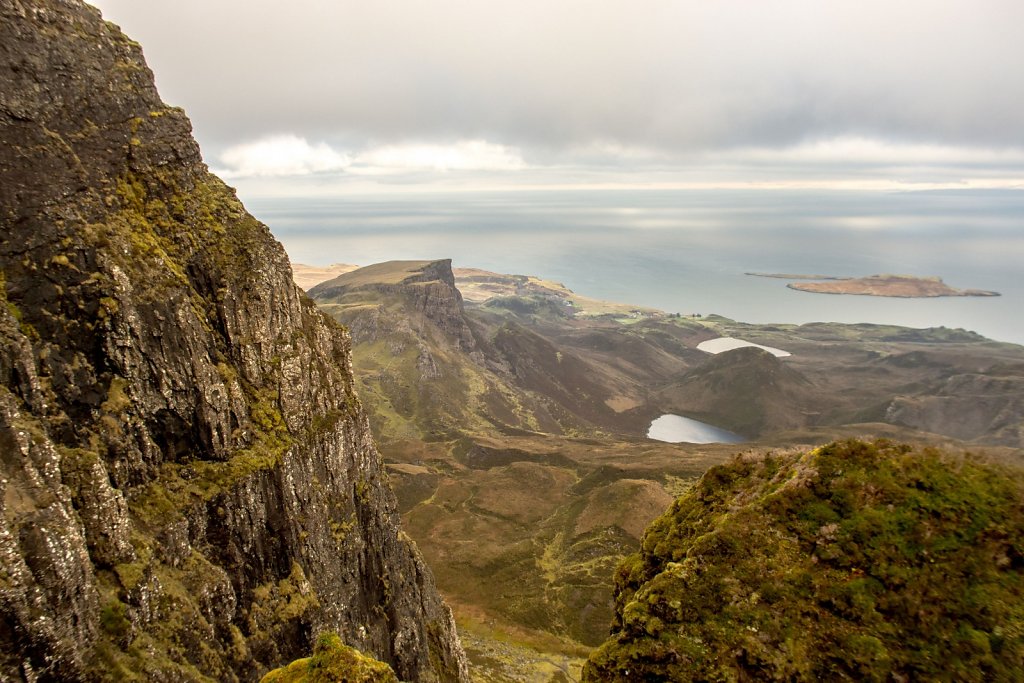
x=729, y=343
x=679, y=429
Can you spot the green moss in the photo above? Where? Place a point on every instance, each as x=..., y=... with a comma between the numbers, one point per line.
x=340, y=530
x=362, y=490
x=333, y=661
x=166, y=648
x=174, y=490
x=280, y=601
x=25, y=327
x=131, y=574
x=117, y=397
x=113, y=620
x=266, y=415
x=108, y=307
x=865, y=561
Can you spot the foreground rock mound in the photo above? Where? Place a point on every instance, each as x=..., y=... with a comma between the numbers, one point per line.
x=188, y=485
x=855, y=561
x=332, y=661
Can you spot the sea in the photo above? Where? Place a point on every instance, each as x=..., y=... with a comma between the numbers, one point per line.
x=688, y=251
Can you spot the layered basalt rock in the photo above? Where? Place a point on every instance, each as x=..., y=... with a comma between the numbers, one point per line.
x=189, y=486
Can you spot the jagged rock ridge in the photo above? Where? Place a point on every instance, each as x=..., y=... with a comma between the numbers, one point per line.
x=188, y=484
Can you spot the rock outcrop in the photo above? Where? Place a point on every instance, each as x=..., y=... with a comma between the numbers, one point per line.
x=425, y=288
x=188, y=484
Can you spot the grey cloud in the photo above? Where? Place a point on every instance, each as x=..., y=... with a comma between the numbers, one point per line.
x=674, y=77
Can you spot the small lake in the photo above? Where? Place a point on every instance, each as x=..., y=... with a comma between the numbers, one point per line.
x=679, y=429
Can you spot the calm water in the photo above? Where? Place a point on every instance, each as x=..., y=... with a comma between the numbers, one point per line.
x=687, y=251
x=679, y=429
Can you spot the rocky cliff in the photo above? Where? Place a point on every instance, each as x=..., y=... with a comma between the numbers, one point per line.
x=188, y=485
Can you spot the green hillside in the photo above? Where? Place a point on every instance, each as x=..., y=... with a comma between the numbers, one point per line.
x=853, y=561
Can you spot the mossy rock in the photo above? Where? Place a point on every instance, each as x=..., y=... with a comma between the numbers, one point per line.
x=854, y=561
x=333, y=662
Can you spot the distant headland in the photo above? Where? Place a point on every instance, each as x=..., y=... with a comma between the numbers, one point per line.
x=904, y=286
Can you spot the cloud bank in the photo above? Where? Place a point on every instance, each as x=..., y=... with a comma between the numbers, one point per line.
x=594, y=85
x=280, y=155
x=290, y=155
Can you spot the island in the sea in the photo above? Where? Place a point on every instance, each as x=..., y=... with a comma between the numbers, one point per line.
x=906, y=286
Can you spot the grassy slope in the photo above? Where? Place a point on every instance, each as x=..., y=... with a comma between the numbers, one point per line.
x=864, y=561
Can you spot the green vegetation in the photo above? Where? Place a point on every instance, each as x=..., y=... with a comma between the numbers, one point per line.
x=864, y=561
x=333, y=662
x=113, y=620
x=510, y=654
x=177, y=646
x=281, y=601
x=518, y=461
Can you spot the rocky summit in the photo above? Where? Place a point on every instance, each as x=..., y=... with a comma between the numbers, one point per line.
x=188, y=485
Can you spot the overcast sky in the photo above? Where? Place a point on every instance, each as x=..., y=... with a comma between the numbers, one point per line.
x=322, y=96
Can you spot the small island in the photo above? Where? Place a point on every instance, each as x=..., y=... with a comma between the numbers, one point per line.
x=904, y=286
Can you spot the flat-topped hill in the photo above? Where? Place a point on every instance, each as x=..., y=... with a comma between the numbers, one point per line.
x=389, y=273
x=905, y=286
x=902, y=286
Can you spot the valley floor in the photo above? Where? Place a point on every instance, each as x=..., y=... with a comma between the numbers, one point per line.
x=514, y=425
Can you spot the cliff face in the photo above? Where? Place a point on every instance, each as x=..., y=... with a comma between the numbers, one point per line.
x=188, y=485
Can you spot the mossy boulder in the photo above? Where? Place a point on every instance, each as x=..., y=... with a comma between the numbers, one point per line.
x=854, y=561
x=333, y=662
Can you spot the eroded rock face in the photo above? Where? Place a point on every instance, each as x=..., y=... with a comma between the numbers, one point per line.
x=189, y=487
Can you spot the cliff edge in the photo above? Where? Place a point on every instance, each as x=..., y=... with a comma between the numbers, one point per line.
x=188, y=486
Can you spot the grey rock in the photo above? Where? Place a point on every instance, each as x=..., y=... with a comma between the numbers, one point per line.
x=190, y=490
